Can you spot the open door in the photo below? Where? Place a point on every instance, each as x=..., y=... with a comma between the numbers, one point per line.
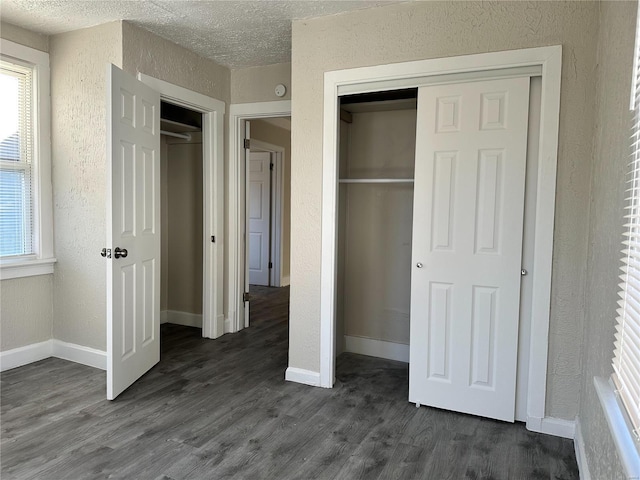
x=133, y=230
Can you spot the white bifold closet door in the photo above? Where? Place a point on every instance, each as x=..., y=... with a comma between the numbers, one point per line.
x=467, y=245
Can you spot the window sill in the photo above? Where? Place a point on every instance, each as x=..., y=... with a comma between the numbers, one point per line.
x=620, y=430
x=26, y=268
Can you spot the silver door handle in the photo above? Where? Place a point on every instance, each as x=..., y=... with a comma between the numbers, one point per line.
x=419, y=265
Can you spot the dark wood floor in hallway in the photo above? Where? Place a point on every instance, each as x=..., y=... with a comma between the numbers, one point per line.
x=220, y=409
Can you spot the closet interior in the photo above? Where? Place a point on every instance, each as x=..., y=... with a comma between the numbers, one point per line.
x=376, y=166
x=181, y=185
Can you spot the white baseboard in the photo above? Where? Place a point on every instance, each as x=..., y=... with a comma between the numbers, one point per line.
x=557, y=427
x=581, y=453
x=17, y=357
x=80, y=354
x=35, y=352
x=228, y=324
x=220, y=326
x=300, y=375
x=164, y=317
x=377, y=348
x=286, y=281
x=183, y=318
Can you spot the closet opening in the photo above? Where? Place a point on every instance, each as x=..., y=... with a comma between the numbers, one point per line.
x=182, y=218
x=377, y=138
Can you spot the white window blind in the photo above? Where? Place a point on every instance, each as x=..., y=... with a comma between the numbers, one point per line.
x=16, y=160
x=626, y=361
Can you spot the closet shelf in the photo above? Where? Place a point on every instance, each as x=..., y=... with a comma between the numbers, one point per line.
x=376, y=180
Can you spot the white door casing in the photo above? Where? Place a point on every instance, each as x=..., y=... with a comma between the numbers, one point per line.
x=467, y=245
x=133, y=224
x=259, y=207
x=245, y=209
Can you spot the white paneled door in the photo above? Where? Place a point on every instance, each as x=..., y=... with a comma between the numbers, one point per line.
x=467, y=245
x=133, y=230
x=259, y=198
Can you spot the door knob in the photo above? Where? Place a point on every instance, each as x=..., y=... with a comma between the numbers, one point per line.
x=120, y=252
x=419, y=264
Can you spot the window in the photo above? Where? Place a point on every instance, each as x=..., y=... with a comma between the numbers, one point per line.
x=26, y=233
x=626, y=361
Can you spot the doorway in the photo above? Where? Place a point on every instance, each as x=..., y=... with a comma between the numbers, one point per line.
x=267, y=206
x=242, y=116
x=134, y=225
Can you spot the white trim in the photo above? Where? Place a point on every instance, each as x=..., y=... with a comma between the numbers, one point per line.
x=620, y=430
x=42, y=189
x=300, y=375
x=164, y=317
x=238, y=113
x=184, y=318
x=79, y=354
x=26, y=268
x=213, y=195
x=286, y=281
x=581, y=453
x=377, y=348
x=35, y=352
x=277, y=201
x=550, y=59
x=17, y=357
x=557, y=427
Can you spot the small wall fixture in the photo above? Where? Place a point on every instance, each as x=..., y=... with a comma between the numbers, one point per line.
x=280, y=90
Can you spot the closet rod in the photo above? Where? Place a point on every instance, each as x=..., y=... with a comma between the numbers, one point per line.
x=184, y=136
x=376, y=180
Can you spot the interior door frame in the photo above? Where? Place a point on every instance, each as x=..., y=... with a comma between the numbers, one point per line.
x=277, y=201
x=213, y=112
x=548, y=62
x=238, y=114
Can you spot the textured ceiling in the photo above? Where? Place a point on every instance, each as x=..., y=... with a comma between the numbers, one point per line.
x=233, y=33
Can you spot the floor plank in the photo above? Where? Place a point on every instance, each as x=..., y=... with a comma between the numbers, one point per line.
x=221, y=409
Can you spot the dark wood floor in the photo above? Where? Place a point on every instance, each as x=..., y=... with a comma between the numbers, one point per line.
x=220, y=409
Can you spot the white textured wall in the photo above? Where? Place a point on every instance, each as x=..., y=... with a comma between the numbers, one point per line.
x=378, y=226
x=147, y=53
x=78, y=131
x=257, y=84
x=26, y=311
x=610, y=159
x=423, y=30
x=26, y=308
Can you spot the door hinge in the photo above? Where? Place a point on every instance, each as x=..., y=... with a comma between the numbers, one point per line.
x=213, y=239
x=270, y=264
x=271, y=166
x=105, y=252
x=247, y=143
x=246, y=297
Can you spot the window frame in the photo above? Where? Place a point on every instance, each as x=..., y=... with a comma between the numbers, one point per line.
x=41, y=261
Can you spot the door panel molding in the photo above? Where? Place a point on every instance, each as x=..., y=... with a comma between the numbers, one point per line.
x=548, y=63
